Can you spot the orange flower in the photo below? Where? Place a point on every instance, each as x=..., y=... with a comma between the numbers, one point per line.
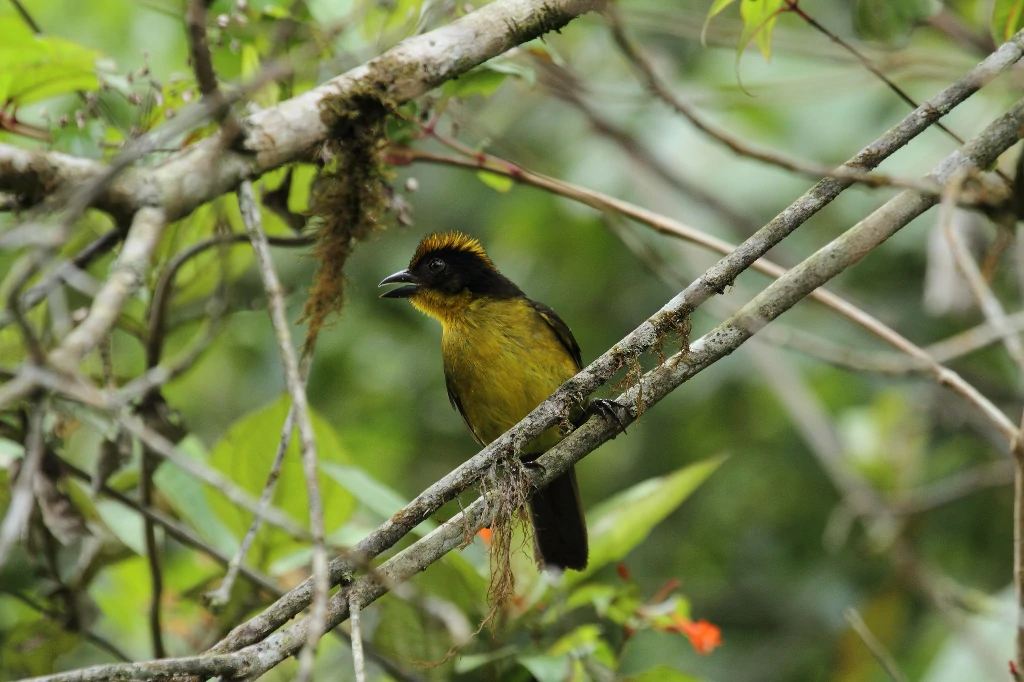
x=485, y=535
x=702, y=635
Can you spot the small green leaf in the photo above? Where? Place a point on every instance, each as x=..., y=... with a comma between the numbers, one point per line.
x=500, y=183
x=186, y=495
x=624, y=521
x=465, y=664
x=480, y=81
x=128, y=528
x=38, y=67
x=585, y=641
x=485, y=79
x=275, y=12
x=547, y=668
x=507, y=66
x=1007, y=19
x=266, y=96
x=758, y=22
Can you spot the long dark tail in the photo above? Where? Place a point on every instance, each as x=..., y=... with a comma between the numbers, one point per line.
x=559, y=529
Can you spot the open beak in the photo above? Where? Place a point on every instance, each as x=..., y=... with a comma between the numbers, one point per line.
x=400, y=292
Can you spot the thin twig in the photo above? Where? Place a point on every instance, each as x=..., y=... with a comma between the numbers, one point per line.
x=152, y=555
x=564, y=84
x=249, y=207
x=24, y=269
x=987, y=301
x=1018, y=545
x=164, y=289
x=124, y=280
x=793, y=6
x=19, y=511
x=186, y=536
x=219, y=597
x=953, y=487
x=159, y=444
x=199, y=48
x=644, y=69
x=876, y=648
x=37, y=293
x=26, y=17
x=358, y=661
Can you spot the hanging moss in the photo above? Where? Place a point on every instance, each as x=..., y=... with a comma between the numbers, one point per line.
x=349, y=196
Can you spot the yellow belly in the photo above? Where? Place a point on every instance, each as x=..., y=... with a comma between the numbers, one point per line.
x=502, y=359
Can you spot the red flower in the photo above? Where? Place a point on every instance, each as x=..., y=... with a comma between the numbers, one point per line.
x=704, y=636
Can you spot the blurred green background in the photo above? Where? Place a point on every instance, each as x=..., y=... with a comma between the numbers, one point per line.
x=766, y=548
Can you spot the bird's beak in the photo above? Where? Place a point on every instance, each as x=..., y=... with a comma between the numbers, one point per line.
x=400, y=292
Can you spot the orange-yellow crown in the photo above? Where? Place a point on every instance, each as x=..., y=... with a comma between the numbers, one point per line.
x=450, y=241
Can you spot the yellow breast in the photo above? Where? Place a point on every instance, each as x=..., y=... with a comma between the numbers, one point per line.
x=502, y=359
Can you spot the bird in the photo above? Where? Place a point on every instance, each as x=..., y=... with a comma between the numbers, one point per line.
x=503, y=354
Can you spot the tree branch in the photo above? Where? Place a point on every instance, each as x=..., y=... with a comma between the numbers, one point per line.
x=287, y=131
x=300, y=407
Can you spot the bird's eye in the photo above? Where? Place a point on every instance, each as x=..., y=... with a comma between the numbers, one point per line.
x=436, y=265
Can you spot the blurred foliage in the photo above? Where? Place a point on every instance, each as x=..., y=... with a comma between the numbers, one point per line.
x=764, y=559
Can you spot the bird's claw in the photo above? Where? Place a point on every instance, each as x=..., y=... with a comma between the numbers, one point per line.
x=611, y=410
x=534, y=465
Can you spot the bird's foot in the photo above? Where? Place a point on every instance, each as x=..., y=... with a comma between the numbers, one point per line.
x=610, y=410
x=533, y=465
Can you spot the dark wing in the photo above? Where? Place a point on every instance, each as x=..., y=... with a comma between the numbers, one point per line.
x=561, y=330
x=457, y=404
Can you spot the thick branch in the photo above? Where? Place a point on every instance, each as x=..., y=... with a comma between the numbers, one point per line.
x=286, y=132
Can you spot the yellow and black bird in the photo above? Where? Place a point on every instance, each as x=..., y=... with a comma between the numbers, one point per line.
x=503, y=355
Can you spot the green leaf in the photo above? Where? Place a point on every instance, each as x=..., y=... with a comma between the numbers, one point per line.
x=37, y=67
x=376, y=496
x=500, y=183
x=268, y=95
x=485, y=79
x=199, y=276
x=480, y=81
x=245, y=454
x=128, y=528
x=758, y=22
x=464, y=664
x=661, y=674
x=624, y=521
x=585, y=641
x=275, y=12
x=716, y=9
x=511, y=68
x=547, y=668
x=1007, y=19
x=186, y=495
